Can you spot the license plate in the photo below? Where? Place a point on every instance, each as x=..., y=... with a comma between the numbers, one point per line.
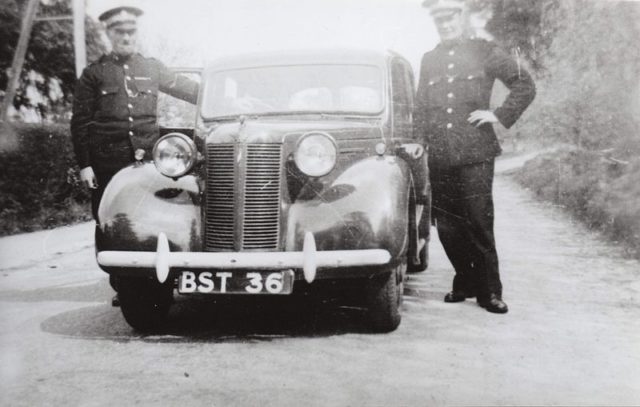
x=245, y=282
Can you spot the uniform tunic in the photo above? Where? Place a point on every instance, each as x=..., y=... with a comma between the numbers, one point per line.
x=456, y=78
x=115, y=109
x=115, y=112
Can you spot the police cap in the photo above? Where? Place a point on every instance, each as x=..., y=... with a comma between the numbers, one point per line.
x=120, y=15
x=443, y=7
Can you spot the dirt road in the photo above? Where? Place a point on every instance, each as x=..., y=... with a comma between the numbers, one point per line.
x=571, y=337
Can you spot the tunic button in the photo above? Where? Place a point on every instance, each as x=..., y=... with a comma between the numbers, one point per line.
x=450, y=66
x=450, y=80
x=431, y=83
x=470, y=77
x=449, y=125
x=131, y=133
x=128, y=78
x=450, y=95
x=452, y=52
x=449, y=110
x=125, y=66
x=130, y=119
x=104, y=92
x=130, y=106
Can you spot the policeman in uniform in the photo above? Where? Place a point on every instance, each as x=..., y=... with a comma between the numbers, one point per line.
x=453, y=119
x=115, y=103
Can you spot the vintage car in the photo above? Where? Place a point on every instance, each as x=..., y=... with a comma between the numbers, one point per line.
x=295, y=171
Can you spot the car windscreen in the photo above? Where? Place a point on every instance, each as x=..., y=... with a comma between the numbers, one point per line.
x=356, y=89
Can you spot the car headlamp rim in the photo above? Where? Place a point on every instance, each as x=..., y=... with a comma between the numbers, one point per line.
x=188, y=163
x=297, y=151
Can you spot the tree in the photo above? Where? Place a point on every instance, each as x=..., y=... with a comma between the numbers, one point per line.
x=587, y=63
x=49, y=55
x=520, y=25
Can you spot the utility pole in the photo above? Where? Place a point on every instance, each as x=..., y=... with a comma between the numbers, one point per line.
x=18, y=58
x=79, y=44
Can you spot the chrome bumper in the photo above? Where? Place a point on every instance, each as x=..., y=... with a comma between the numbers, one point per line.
x=309, y=259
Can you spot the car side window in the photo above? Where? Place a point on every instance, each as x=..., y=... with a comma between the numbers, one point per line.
x=401, y=92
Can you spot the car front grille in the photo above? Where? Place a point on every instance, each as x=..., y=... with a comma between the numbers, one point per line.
x=220, y=197
x=242, y=197
x=262, y=197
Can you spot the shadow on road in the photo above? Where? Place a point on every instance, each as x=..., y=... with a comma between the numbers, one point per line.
x=212, y=320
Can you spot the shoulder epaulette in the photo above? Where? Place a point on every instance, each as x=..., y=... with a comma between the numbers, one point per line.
x=139, y=55
x=481, y=41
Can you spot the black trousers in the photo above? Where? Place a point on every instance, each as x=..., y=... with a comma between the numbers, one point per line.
x=463, y=209
x=103, y=179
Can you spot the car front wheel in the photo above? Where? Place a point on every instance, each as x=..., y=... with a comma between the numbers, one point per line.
x=144, y=302
x=384, y=299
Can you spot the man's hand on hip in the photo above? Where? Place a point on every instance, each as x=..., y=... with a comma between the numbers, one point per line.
x=480, y=117
x=88, y=177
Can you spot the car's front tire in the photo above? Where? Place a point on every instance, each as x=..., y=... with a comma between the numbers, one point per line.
x=384, y=299
x=144, y=302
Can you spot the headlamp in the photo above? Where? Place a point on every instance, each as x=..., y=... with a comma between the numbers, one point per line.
x=174, y=154
x=316, y=154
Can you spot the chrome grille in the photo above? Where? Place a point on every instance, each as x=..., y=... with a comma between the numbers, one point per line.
x=261, y=209
x=220, y=197
x=256, y=209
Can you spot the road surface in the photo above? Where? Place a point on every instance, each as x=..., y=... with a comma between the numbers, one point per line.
x=571, y=337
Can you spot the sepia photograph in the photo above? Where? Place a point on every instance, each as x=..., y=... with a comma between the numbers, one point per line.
x=320, y=202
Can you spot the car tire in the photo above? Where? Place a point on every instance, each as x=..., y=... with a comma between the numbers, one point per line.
x=144, y=303
x=384, y=299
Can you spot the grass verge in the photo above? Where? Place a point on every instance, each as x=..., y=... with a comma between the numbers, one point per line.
x=602, y=193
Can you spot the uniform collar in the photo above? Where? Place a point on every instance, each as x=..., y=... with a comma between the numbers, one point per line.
x=120, y=59
x=450, y=44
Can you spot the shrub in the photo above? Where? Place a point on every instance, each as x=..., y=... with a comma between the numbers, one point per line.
x=603, y=194
x=588, y=87
x=39, y=187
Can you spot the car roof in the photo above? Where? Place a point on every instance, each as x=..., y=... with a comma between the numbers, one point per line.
x=342, y=56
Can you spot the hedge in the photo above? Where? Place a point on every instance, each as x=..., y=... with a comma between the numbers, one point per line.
x=602, y=193
x=39, y=185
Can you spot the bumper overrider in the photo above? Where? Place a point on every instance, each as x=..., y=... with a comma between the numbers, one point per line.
x=309, y=259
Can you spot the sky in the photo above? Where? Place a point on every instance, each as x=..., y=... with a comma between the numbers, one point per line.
x=192, y=32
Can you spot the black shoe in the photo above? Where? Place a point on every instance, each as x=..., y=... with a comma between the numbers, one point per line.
x=455, y=296
x=115, y=301
x=494, y=304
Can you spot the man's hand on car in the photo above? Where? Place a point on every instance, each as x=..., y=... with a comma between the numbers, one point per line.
x=413, y=150
x=88, y=178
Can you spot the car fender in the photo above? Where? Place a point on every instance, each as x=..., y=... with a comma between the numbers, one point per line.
x=365, y=207
x=139, y=203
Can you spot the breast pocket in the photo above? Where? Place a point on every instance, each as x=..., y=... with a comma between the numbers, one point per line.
x=107, y=101
x=435, y=92
x=474, y=87
x=147, y=95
